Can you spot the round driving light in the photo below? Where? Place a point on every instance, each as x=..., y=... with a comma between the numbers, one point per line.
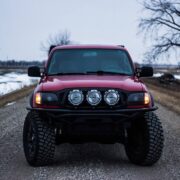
x=111, y=97
x=75, y=97
x=94, y=97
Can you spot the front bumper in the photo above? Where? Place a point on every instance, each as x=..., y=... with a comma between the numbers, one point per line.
x=93, y=112
x=93, y=125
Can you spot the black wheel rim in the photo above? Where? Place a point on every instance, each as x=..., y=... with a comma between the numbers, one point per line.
x=31, y=141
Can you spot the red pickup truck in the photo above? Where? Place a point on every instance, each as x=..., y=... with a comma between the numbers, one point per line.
x=91, y=93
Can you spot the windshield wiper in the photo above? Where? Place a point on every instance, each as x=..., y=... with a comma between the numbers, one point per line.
x=105, y=72
x=73, y=73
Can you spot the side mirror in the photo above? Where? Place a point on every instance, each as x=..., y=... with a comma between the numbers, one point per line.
x=34, y=71
x=144, y=71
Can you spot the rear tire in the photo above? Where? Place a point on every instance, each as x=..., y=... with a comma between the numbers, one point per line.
x=38, y=140
x=145, y=140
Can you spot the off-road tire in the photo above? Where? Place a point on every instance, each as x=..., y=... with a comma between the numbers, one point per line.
x=43, y=140
x=145, y=139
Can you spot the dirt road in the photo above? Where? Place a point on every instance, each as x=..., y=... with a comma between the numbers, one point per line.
x=88, y=161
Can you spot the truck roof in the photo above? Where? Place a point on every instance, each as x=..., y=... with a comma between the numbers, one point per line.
x=90, y=47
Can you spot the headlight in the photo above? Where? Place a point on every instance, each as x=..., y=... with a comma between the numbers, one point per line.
x=147, y=98
x=94, y=97
x=75, y=97
x=38, y=98
x=138, y=99
x=46, y=98
x=111, y=97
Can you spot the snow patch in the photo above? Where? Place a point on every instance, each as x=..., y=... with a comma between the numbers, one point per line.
x=11, y=103
x=157, y=74
x=177, y=76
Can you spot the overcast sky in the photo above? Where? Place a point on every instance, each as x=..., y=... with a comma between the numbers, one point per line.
x=24, y=24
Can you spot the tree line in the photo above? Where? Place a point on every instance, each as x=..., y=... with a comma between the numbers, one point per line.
x=22, y=63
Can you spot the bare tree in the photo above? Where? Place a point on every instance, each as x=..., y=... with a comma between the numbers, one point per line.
x=162, y=25
x=61, y=38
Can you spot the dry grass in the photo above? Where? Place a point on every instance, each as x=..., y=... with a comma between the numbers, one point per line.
x=13, y=96
x=166, y=97
x=172, y=87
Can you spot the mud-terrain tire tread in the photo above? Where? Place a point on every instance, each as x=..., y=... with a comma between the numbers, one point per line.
x=154, y=141
x=45, y=140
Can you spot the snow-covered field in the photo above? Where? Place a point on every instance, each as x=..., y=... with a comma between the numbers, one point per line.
x=13, y=81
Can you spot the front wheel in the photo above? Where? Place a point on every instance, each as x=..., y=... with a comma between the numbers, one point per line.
x=145, y=140
x=38, y=140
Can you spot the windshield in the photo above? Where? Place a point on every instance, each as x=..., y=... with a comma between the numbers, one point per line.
x=89, y=61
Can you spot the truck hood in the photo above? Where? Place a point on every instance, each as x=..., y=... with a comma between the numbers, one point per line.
x=56, y=83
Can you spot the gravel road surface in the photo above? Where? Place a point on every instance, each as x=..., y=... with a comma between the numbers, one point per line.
x=87, y=161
